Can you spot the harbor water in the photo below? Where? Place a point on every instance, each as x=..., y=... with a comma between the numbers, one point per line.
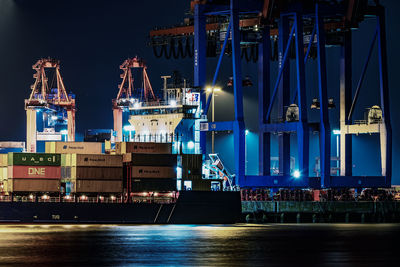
x=200, y=245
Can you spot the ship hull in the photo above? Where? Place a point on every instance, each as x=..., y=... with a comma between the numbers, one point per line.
x=191, y=208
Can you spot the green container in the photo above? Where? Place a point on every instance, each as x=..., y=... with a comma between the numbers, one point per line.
x=34, y=159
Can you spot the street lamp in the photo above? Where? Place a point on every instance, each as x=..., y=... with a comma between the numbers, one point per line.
x=212, y=90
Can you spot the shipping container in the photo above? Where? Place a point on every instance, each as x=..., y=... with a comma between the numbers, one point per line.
x=32, y=172
x=142, y=147
x=34, y=185
x=34, y=159
x=166, y=160
x=97, y=173
x=153, y=172
x=3, y=160
x=153, y=185
x=73, y=147
x=92, y=160
x=95, y=186
x=192, y=166
x=201, y=185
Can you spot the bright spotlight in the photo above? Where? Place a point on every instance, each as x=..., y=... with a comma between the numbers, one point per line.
x=296, y=174
x=213, y=89
x=172, y=103
x=246, y=132
x=64, y=132
x=190, y=145
x=129, y=128
x=336, y=132
x=136, y=105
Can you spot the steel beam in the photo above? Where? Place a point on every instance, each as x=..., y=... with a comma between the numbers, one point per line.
x=199, y=57
x=31, y=130
x=386, y=134
x=360, y=81
x=117, y=113
x=238, y=127
x=284, y=92
x=264, y=152
x=345, y=102
x=221, y=55
x=303, y=131
x=325, y=132
x=71, y=125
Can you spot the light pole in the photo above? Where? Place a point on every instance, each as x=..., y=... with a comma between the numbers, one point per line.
x=212, y=90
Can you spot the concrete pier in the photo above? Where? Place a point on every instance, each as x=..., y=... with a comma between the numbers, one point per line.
x=321, y=212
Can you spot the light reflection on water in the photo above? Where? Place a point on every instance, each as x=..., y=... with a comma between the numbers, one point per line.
x=205, y=245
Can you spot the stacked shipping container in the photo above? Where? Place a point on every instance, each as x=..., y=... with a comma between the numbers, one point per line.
x=149, y=166
x=143, y=148
x=92, y=173
x=192, y=165
x=138, y=167
x=33, y=172
x=74, y=147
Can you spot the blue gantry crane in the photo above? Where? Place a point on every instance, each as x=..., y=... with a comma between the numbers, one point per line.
x=285, y=31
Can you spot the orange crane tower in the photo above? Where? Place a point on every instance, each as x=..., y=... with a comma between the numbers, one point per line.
x=45, y=98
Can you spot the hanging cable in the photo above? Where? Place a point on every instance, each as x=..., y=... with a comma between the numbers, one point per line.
x=166, y=54
x=156, y=54
x=172, y=49
x=189, y=47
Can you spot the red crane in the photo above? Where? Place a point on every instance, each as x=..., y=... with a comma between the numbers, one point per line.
x=44, y=97
x=126, y=91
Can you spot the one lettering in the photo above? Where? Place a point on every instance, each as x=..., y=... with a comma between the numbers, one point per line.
x=37, y=171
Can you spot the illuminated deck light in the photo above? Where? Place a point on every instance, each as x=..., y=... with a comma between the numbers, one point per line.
x=172, y=103
x=190, y=145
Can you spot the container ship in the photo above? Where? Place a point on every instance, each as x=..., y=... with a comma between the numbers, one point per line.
x=73, y=182
x=149, y=169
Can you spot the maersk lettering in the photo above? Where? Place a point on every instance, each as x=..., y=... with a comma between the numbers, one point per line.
x=37, y=171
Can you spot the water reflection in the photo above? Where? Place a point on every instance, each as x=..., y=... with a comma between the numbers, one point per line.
x=206, y=245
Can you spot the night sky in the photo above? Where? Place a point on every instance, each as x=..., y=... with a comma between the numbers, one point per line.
x=92, y=38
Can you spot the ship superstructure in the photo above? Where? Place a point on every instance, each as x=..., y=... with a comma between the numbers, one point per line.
x=140, y=115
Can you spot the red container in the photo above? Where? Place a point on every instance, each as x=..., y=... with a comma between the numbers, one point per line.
x=46, y=172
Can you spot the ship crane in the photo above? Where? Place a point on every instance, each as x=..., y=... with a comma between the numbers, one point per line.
x=52, y=103
x=127, y=94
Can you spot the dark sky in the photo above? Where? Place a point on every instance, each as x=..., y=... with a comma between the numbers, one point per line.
x=92, y=38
